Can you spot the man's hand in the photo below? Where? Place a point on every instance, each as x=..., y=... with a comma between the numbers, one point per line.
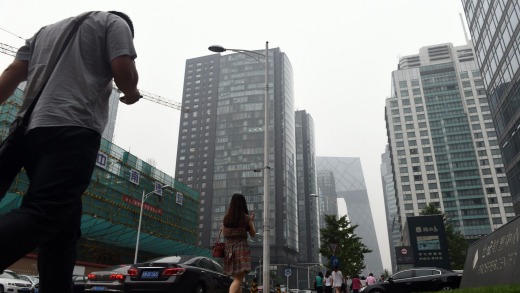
x=130, y=99
x=126, y=78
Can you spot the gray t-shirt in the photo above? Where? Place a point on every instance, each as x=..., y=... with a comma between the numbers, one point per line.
x=78, y=90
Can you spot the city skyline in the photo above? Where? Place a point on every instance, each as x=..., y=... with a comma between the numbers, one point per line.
x=342, y=54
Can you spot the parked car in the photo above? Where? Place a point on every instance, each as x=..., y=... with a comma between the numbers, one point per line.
x=417, y=280
x=11, y=282
x=78, y=283
x=108, y=280
x=177, y=274
x=35, y=280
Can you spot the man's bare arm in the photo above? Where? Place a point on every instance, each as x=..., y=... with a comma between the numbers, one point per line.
x=126, y=78
x=15, y=73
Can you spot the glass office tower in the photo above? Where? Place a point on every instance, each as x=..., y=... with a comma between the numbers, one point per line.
x=444, y=148
x=495, y=28
x=307, y=189
x=221, y=143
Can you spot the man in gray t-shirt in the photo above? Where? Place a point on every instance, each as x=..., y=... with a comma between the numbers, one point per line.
x=64, y=133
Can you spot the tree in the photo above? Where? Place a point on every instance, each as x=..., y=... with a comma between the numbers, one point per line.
x=457, y=244
x=349, y=250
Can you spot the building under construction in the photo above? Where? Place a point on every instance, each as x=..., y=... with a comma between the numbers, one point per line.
x=111, y=208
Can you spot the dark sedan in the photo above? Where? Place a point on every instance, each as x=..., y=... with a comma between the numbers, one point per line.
x=108, y=280
x=186, y=274
x=417, y=280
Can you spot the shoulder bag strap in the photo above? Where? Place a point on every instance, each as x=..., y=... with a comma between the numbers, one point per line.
x=72, y=32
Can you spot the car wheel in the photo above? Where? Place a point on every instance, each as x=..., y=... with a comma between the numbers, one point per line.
x=1, y=289
x=446, y=287
x=198, y=289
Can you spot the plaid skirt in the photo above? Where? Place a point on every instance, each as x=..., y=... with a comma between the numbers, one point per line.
x=237, y=258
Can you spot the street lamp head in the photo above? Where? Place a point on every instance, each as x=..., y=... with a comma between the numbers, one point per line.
x=217, y=48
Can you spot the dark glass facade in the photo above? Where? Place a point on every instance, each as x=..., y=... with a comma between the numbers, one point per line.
x=221, y=143
x=495, y=29
x=307, y=189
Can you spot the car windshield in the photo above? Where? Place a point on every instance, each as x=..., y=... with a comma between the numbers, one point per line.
x=9, y=275
x=118, y=268
x=173, y=259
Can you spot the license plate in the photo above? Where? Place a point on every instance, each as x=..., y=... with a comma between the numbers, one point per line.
x=98, y=288
x=150, y=275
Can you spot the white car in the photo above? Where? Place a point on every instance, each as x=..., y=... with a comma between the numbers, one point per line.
x=35, y=280
x=11, y=282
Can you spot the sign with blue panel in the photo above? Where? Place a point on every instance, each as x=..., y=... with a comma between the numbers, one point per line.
x=428, y=241
x=334, y=262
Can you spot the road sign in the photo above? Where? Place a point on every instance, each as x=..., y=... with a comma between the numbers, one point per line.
x=333, y=247
x=334, y=262
x=287, y=272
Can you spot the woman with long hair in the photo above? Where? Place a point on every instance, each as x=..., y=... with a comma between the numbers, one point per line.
x=237, y=224
x=328, y=282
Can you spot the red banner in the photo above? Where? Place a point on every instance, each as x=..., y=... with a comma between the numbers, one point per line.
x=137, y=203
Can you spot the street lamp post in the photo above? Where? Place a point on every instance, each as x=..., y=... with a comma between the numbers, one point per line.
x=309, y=274
x=266, y=168
x=143, y=199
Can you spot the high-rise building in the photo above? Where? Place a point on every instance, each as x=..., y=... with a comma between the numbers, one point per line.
x=349, y=183
x=443, y=145
x=495, y=29
x=221, y=143
x=392, y=224
x=308, y=226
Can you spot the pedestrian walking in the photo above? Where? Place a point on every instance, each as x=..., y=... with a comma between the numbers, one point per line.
x=254, y=286
x=69, y=67
x=318, y=283
x=370, y=279
x=337, y=279
x=237, y=224
x=328, y=282
x=356, y=284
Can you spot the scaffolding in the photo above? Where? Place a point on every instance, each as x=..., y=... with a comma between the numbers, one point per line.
x=112, y=202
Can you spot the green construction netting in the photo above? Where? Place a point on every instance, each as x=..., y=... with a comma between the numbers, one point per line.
x=94, y=228
x=111, y=204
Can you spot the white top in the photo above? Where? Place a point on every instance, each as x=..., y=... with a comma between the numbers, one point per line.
x=337, y=278
x=328, y=281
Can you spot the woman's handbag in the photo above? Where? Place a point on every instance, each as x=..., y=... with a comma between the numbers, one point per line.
x=219, y=248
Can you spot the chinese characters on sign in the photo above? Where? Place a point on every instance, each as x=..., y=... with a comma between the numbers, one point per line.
x=492, y=256
x=134, y=176
x=158, y=188
x=179, y=197
x=426, y=229
x=101, y=160
x=146, y=206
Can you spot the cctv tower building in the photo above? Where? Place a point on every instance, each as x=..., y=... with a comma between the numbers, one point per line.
x=348, y=182
x=443, y=145
x=221, y=144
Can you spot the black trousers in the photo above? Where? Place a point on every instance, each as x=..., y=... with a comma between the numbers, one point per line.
x=59, y=162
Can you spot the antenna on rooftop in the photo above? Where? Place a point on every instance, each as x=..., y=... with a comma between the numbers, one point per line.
x=464, y=28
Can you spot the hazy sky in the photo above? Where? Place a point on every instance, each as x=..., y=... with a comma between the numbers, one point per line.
x=342, y=53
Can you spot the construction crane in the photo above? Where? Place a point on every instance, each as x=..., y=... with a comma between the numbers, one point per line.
x=11, y=51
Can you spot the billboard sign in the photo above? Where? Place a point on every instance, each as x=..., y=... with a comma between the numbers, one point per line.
x=428, y=241
x=494, y=259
